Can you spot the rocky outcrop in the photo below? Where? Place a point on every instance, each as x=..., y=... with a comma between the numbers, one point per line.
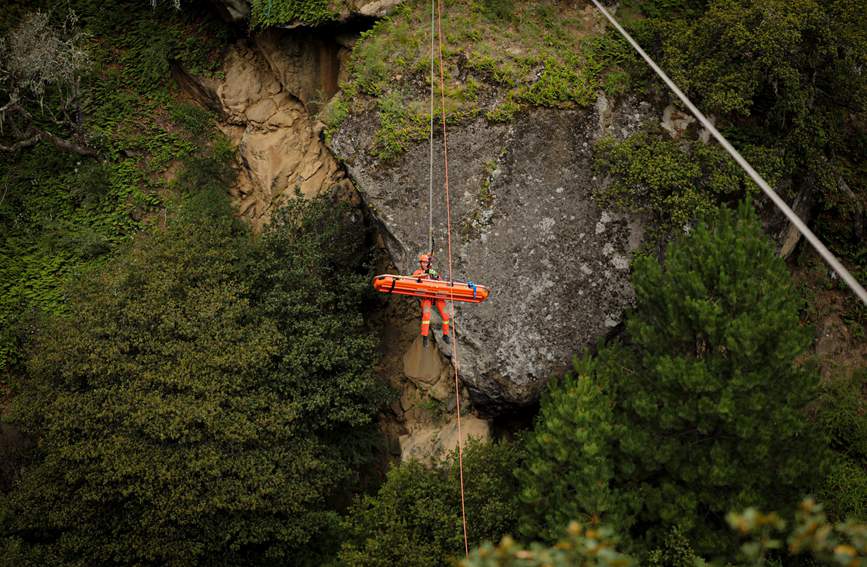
x=438, y=441
x=233, y=11
x=305, y=63
x=279, y=147
x=524, y=223
x=376, y=8
x=428, y=407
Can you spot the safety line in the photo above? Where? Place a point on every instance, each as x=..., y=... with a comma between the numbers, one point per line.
x=454, y=334
x=431, y=144
x=772, y=195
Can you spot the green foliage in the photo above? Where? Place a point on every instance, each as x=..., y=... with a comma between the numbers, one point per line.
x=675, y=183
x=334, y=113
x=266, y=13
x=842, y=414
x=580, y=547
x=667, y=433
x=676, y=551
x=783, y=75
x=310, y=276
x=503, y=10
x=569, y=467
x=843, y=544
x=415, y=518
x=565, y=83
x=398, y=126
x=205, y=400
x=61, y=214
x=500, y=57
x=811, y=535
x=716, y=394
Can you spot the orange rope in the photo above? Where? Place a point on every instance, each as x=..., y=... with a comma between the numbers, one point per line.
x=451, y=277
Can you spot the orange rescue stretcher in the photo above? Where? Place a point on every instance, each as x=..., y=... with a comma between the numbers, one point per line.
x=431, y=289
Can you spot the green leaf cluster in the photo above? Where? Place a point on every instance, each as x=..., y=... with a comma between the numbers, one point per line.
x=415, y=517
x=206, y=399
x=580, y=547
x=266, y=13
x=673, y=182
x=702, y=412
x=811, y=536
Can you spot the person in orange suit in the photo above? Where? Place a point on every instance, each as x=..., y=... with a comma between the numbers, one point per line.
x=425, y=271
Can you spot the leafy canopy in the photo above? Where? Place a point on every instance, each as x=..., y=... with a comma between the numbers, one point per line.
x=415, y=518
x=202, y=402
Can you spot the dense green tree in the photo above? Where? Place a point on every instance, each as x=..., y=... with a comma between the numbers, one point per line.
x=415, y=518
x=569, y=464
x=702, y=412
x=172, y=427
x=784, y=79
x=714, y=412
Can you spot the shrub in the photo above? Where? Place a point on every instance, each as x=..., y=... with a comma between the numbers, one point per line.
x=842, y=414
x=569, y=463
x=415, y=518
x=810, y=536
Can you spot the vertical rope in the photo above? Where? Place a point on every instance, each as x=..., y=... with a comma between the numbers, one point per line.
x=455, y=359
x=430, y=189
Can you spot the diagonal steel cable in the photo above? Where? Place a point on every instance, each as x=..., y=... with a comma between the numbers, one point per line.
x=754, y=175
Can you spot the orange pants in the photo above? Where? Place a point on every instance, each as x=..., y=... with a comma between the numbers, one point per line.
x=425, y=316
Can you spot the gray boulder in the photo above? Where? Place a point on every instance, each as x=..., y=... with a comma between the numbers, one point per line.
x=523, y=223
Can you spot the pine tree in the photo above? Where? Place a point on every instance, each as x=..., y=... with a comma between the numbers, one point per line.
x=702, y=411
x=713, y=413
x=569, y=465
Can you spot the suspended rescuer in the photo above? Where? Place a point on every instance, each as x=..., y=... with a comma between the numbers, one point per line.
x=426, y=271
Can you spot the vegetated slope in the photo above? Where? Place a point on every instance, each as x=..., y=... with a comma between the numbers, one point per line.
x=499, y=58
x=208, y=399
x=61, y=212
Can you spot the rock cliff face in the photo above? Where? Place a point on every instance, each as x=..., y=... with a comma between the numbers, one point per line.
x=525, y=224
x=278, y=146
x=523, y=218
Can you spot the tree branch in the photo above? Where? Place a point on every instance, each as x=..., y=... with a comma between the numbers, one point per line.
x=67, y=145
x=25, y=143
x=41, y=135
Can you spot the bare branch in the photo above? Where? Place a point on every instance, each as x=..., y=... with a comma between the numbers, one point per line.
x=26, y=143
x=67, y=145
x=40, y=62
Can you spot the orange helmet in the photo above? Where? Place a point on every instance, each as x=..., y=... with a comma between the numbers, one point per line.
x=424, y=259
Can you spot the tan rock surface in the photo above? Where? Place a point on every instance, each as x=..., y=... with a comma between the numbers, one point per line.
x=279, y=149
x=431, y=443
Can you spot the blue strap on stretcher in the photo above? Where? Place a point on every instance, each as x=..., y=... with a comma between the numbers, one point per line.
x=473, y=286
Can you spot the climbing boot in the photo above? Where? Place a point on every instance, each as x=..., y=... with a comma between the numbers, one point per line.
x=446, y=339
x=425, y=341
